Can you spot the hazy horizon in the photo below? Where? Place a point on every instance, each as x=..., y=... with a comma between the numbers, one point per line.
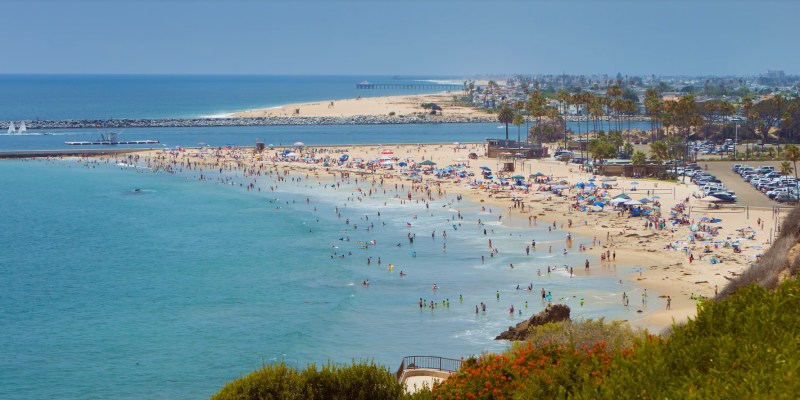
x=445, y=38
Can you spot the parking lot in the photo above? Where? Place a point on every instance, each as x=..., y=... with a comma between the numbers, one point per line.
x=746, y=194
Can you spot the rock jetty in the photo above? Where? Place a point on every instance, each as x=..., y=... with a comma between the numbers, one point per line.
x=553, y=313
x=259, y=121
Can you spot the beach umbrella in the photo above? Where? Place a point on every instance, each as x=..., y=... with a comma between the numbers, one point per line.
x=599, y=203
x=517, y=177
x=299, y=144
x=538, y=174
x=656, y=197
x=592, y=179
x=645, y=200
x=622, y=196
x=694, y=228
x=634, y=183
x=387, y=163
x=292, y=154
x=591, y=185
x=486, y=168
x=402, y=163
x=618, y=201
x=387, y=152
x=427, y=162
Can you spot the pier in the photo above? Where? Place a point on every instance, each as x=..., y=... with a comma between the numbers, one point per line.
x=411, y=86
x=106, y=142
x=110, y=138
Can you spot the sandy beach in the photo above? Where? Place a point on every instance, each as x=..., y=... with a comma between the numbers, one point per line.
x=660, y=256
x=405, y=105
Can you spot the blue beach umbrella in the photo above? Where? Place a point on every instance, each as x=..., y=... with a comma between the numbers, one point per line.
x=486, y=168
x=634, y=183
x=599, y=203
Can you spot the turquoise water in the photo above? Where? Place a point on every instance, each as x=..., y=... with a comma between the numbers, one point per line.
x=173, y=291
x=59, y=97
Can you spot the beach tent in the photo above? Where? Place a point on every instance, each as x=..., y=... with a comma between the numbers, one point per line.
x=427, y=162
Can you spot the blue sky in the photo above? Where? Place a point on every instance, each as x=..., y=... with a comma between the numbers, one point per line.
x=444, y=37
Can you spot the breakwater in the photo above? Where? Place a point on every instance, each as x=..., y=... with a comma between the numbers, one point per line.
x=256, y=121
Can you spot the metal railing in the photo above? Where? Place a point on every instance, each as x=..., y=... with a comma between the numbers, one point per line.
x=428, y=362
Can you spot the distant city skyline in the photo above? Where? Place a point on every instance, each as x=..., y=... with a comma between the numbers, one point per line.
x=446, y=38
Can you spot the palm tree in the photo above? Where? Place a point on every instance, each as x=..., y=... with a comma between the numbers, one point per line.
x=518, y=121
x=659, y=151
x=506, y=116
x=792, y=154
x=786, y=168
x=564, y=97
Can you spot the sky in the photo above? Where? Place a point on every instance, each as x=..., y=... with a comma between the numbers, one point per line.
x=399, y=37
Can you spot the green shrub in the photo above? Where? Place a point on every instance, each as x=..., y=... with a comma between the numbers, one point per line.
x=276, y=381
x=617, y=334
x=745, y=347
x=360, y=380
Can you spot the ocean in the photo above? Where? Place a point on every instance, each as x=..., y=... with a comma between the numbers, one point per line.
x=62, y=97
x=171, y=291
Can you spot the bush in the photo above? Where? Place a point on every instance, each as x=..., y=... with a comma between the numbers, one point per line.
x=617, y=334
x=365, y=381
x=745, y=347
x=525, y=372
x=276, y=381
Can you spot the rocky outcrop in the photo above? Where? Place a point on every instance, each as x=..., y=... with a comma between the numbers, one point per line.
x=553, y=313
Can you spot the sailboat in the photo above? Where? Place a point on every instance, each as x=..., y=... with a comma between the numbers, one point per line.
x=11, y=129
x=22, y=128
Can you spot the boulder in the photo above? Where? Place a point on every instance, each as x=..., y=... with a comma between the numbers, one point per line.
x=552, y=313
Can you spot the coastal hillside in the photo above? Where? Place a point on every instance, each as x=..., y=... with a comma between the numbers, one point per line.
x=779, y=263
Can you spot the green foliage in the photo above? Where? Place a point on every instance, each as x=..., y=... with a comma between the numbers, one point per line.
x=277, y=381
x=745, y=347
x=525, y=372
x=639, y=158
x=617, y=334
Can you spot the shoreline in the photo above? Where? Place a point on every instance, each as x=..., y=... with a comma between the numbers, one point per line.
x=663, y=272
